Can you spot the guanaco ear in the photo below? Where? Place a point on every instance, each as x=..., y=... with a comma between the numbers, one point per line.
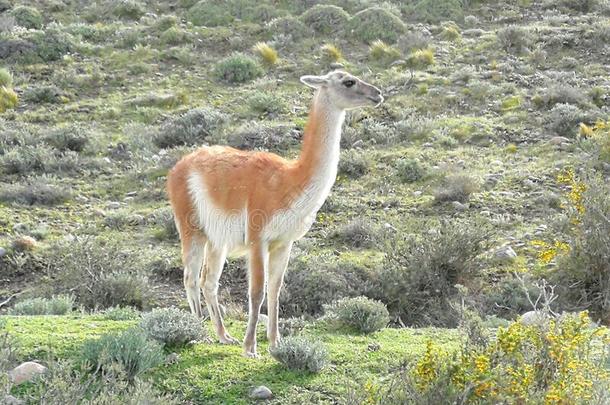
x=314, y=81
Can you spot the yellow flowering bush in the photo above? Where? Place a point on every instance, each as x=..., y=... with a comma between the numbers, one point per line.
x=560, y=362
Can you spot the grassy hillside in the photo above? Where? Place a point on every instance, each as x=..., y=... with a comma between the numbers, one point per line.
x=481, y=183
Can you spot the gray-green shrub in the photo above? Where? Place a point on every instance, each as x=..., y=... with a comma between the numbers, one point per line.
x=191, y=128
x=410, y=170
x=417, y=280
x=354, y=164
x=376, y=23
x=128, y=9
x=455, y=187
x=564, y=119
x=514, y=38
x=172, y=327
x=36, y=191
x=121, y=313
x=325, y=19
x=360, y=313
x=72, y=137
x=299, y=353
x=130, y=349
x=57, y=305
x=27, y=17
x=358, y=234
x=237, y=68
x=264, y=102
x=210, y=13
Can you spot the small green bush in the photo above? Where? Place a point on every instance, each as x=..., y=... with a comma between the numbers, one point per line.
x=238, y=68
x=191, y=128
x=360, y=313
x=172, y=327
x=376, y=23
x=255, y=135
x=354, y=164
x=73, y=138
x=288, y=26
x=410, y=170
x=8, y=99
x=558, y=93
x=43, y=94
x=27, y=17
x=27, y=159
x=121, y=313
x=412, y=41
x=325, y=19
x=433, y=11
x=130, y=349
x=298, y=353
x=175, y=36
x=210, y=13
x=58, y=305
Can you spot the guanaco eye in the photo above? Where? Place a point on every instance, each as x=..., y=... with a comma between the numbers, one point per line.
x=349, y=83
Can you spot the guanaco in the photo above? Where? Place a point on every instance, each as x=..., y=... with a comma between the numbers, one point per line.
x=232, y=202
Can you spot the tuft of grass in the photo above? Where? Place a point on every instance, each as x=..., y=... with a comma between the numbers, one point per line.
x=450, y=32
x=6, y=78
x=360, y=313
x=383, y=53
x=301, y=354
x=420, y=59
x=8, y=99
x=267, y=54
x=331, y=52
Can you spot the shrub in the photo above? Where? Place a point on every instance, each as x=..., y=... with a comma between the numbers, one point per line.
x=291, y=326
x=557, y=364
x=121, y=313
x=72, y=138
x=450, y=32
x=354, y=164
x=357, y=233
x=8, y=99
x=128, y=9
x=376, y=23
x=191, y=128
x=43, y=94
x=259, y=136
x=298, y=353
x=455, y=187
x=325, y=19
x=362, y=314
x=266, y=103
x=130, y=349
x=210, y=13
x=289, y=27
x=27, y=17
x=583, y=275
x=412, y=41
x=420, y=59
x=24, y=160
x=175, y=36
x=39, y=46
x=58, y=305
x=383, y=53
x=101, y=273
x=564, y=119
x=267, y=54
x=36, y=191
x=418, y=278
x=432, y=11
x=238, y=68
x=6, y=78
x=313, y=282
x=172, y=326
x=564, y=94
x=410, y=170
x=514, y=38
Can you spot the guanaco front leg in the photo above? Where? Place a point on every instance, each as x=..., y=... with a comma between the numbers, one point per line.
x=278, y=261
x=258, y=261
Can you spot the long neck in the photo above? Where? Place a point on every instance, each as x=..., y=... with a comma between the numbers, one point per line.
x=320, y=151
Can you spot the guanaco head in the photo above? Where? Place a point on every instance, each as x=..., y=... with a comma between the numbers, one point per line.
x=344, y=90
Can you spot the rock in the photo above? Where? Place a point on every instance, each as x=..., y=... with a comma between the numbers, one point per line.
x=558, y=140
x=534, y=318
x=505, y=254
x=336, y=65
x=261, y=392
x=528, y=183
x=24, y=243
x=485, y=213
x=3, y=251
x=127, y=199
x=11, y=400
x=417, y=193
x=473, y=32
x=172, y=358
x=114, y=205
x=459, y=206
x=26, y=372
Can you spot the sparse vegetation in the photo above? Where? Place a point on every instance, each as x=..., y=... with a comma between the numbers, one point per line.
x=59, y=305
